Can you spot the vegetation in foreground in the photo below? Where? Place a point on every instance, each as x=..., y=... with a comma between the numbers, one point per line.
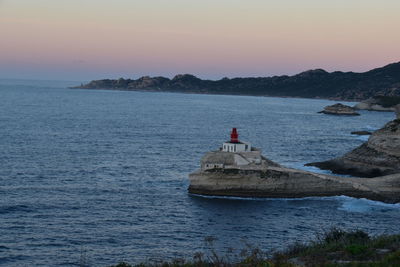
x=333, y=248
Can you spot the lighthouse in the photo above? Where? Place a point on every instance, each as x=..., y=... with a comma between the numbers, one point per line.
x=234, y=154
x=234, y=145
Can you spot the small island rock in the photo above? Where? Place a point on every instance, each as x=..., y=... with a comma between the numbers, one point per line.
x=361, y=133
x=339, y=109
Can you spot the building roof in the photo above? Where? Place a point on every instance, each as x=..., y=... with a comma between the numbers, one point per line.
x=239, y=142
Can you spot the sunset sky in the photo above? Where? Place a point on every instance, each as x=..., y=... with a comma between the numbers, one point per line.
x=92, y=39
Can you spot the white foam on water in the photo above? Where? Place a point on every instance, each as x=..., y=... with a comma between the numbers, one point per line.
x=370, y=128
x=301, y=166
x=262, y=198
x=362, y=137
x=314, y=169
x=348, y=204
x=363, y=205
x=266, y=198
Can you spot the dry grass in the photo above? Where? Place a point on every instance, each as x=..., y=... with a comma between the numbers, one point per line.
x=332, y=248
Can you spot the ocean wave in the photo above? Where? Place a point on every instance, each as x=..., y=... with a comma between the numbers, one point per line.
x=364, y=205
x=363, y=137
x=349, y=204
x=265, y=198
x=14, y=208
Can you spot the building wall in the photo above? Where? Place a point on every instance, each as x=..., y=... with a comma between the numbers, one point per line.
x=229, y=147
x=209, y=166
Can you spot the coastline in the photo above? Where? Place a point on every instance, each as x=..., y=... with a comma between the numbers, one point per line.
x=281, y=182
x=239, y=172
x=210, y=93
x=316, y=83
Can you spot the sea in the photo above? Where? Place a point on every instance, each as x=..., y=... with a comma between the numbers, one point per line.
x=96, y=177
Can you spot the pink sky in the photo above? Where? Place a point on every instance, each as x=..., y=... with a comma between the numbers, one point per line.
x=89, y=39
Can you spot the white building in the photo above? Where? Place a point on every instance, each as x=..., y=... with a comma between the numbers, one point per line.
x=240, y=154
x=234, y=145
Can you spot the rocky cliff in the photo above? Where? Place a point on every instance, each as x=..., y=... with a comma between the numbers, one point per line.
x=379, y=156
x=317, y=83
x=379, y=103
x=280, y=182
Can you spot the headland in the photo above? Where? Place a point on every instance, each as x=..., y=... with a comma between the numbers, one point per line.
x=379, y=156
x=317, y=83
x=241, y=171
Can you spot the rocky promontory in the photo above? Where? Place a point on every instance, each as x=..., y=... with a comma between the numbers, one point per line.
x=238, y=169
x=315, y=83
x=274, y=181
x=380, y=155
x=339, y=109
x=379, y=103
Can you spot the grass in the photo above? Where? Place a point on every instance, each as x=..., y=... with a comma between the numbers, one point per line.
x=335, y=247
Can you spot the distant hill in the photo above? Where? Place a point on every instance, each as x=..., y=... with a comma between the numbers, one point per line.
x=317, y=83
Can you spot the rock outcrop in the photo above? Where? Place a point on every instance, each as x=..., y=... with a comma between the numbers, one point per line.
x=361, y=133
x=379, y=156
x=339, y=109
x=235, y=170
x=379, y=103
x=274, y=181
x=310, y=84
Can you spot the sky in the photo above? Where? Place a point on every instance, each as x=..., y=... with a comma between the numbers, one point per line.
x=93, y=39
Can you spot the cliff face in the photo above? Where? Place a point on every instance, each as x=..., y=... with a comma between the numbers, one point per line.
x=249, y=174
x=318, y=83
x=280, y=182
x=379, y=156
x=379, y=103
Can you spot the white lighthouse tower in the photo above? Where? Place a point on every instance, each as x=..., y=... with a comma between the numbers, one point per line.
x=234, y=145
x=234, y=154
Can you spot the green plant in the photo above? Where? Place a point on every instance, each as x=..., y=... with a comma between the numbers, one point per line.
x=356, y=249
x=335, y=247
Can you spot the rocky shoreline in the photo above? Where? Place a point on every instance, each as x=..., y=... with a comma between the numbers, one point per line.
x=248, y=174
x=379, y=156
x=281, y=182
x=379, y=103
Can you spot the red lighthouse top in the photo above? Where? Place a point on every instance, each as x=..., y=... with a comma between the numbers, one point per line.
x=234, y=136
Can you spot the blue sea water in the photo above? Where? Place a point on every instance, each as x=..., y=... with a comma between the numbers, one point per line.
x=99, y=176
